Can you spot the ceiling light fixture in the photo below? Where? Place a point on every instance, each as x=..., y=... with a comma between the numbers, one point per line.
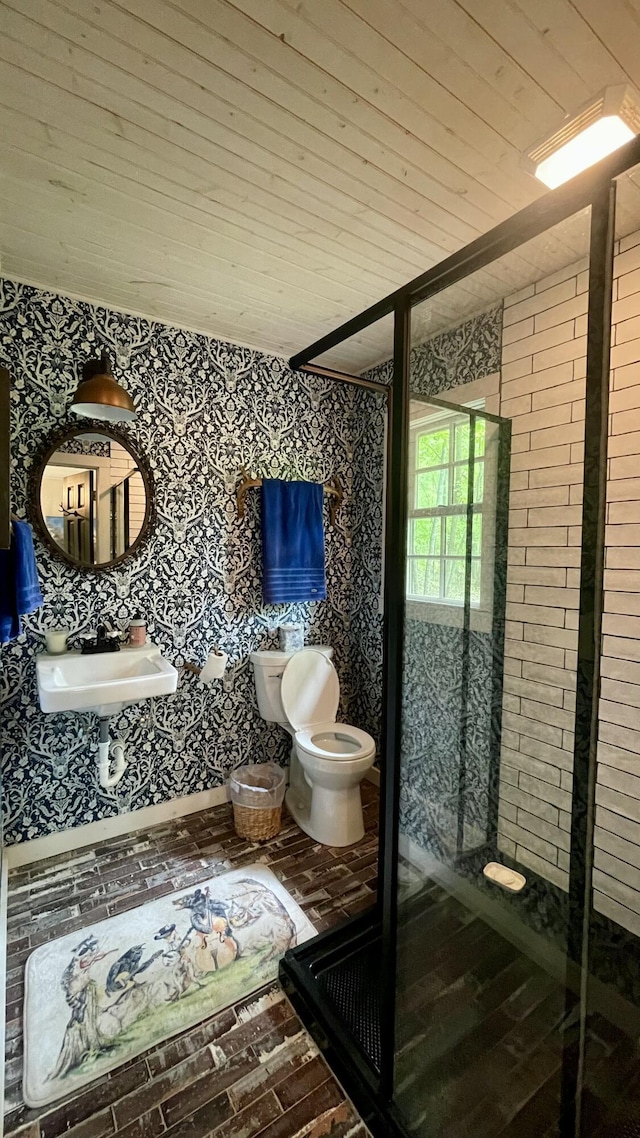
x=100, y=396
x=602, y=125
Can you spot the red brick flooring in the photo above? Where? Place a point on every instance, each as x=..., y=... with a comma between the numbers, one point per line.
x=252, y=1070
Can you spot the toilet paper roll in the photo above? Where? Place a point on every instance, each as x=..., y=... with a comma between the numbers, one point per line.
x=214, y=666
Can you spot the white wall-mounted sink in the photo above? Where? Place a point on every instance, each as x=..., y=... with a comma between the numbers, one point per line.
x=104, y=682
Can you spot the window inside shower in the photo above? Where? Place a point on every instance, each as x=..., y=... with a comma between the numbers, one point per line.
x=438, y=492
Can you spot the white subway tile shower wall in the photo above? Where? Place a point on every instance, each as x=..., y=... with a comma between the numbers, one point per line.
x=543, y=395
x=616, y=879
x=543, y=391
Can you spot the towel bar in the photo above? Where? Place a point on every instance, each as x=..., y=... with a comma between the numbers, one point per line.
x=332, y=488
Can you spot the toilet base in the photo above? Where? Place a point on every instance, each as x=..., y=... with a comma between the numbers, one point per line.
x=331, y=817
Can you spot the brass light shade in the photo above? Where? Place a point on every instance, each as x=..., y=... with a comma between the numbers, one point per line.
x=100, y=396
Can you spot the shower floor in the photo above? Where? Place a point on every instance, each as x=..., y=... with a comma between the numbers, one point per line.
x=249, y=1070
x=483, y=1033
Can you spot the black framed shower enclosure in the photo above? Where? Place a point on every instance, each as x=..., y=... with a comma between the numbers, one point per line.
x=345, y=982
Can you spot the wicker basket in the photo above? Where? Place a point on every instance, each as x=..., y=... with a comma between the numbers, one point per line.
x=255, y=824
x=257, y=791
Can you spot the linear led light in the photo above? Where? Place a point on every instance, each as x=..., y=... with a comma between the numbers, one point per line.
x=602, y=125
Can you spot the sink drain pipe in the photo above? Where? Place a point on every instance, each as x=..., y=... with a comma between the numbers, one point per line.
x=108, y=777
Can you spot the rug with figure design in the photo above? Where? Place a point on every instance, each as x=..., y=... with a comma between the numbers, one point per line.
x=95, y=999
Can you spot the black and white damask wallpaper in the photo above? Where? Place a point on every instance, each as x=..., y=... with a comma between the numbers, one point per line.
x=206, y=408
x=453, y=357
x=459, y=355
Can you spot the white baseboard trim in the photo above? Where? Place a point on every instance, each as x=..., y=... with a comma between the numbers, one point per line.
x=25, y=853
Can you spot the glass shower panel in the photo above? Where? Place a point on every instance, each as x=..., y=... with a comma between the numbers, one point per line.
x=454, y=459
x=485, y=1027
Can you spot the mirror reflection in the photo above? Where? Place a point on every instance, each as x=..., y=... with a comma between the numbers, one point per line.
x=93, y=499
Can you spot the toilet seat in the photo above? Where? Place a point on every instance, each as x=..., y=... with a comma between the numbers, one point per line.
x=335, y=741
x=310, y=692
x=310, y=689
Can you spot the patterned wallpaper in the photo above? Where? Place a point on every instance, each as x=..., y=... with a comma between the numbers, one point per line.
x=434, y=707
x=81, y=446
x=459, y=355
x=205, y=408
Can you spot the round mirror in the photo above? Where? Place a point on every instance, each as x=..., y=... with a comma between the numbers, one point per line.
x=91, y=495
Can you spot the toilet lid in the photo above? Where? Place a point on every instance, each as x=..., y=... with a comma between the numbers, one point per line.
x=310, y=689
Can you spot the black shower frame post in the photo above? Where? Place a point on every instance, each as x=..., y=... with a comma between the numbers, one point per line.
x=594, y=189
x=394, y=599
x=501, y=557
x=593, y=544
x=592, y=557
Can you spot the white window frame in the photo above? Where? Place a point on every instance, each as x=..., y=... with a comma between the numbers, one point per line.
x=451, y=612
x=434, y=422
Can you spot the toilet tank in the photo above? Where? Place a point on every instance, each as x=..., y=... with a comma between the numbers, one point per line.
x=268, y=666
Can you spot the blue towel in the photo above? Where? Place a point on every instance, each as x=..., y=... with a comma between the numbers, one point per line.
x=19, y=585
x=9, y=619
x=292, y=542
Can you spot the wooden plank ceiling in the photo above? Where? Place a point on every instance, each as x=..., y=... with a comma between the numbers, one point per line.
x=261, y=170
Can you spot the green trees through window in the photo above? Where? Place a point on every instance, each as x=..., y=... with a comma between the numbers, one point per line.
x=439, y=493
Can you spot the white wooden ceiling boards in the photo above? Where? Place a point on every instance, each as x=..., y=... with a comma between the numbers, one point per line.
x=260, y=170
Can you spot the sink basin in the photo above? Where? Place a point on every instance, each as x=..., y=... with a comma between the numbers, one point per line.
x=103, y=683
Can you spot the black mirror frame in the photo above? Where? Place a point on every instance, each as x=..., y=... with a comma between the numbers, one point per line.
x=51, y=444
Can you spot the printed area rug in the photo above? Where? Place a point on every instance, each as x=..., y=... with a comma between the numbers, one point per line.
x=97, y=998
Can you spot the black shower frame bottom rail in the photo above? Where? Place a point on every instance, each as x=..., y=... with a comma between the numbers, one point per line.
x=347, y=1060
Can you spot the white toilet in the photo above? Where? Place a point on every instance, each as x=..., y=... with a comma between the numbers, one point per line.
x=301, y=691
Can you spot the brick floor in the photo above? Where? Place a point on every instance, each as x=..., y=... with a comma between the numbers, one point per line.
x=252, y=1069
